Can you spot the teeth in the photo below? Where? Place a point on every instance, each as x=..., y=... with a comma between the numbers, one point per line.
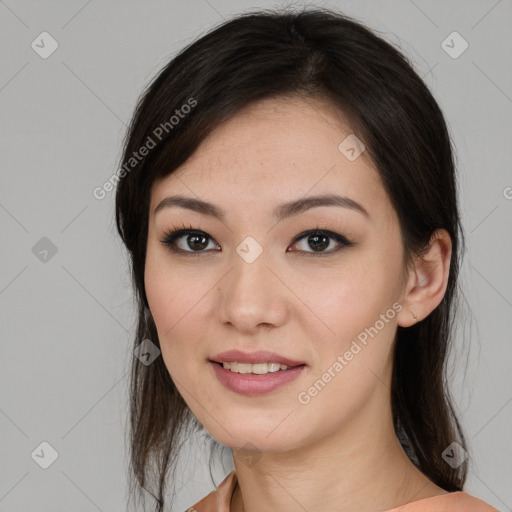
x=258, y=368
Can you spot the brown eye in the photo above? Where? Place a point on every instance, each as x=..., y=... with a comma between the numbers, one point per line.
x=187, y=241
x=320, y=240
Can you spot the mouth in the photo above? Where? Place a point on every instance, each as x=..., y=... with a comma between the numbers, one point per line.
x=254, y=379
x=254, y=362
x=255, y=368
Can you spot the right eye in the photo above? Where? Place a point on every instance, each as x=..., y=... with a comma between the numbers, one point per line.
x=193, y=241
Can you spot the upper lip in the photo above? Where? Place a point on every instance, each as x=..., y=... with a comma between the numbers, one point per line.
x=261, y=356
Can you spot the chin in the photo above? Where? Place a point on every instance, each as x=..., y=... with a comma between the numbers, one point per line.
x=256, y=441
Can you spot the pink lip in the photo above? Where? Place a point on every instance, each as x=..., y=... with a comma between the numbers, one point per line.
x=261, y=356
x=250, y=384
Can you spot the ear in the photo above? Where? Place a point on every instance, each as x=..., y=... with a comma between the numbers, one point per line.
x=427, y=281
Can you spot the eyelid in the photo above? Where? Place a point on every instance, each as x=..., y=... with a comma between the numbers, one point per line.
x=177, y=232
x=174, y=234
x=340, y=239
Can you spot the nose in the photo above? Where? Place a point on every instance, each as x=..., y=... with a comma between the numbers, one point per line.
x=253, y=294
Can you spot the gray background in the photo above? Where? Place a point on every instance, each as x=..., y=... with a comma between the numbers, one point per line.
x=66, y=322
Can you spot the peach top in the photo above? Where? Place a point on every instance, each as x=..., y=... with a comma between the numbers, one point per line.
x=460, y=501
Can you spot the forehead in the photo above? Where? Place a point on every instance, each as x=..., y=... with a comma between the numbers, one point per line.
x=274, y=150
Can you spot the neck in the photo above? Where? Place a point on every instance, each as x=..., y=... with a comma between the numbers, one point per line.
x=355, y=468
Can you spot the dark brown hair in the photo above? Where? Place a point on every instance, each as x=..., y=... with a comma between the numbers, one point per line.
x=314, y=53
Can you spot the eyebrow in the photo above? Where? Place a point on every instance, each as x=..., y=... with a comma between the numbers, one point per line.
x=281, y=212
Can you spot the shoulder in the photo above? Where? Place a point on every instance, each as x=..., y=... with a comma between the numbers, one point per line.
x=459, y=501
x=219, y=499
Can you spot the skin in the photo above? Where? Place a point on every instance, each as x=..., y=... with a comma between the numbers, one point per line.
x=339, y=451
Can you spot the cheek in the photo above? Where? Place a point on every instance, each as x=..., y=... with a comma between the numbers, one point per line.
x=355, y=311
x=169, y=299
x=361, y=324
x=352, y=363
x=350, y=298
x=181, y=306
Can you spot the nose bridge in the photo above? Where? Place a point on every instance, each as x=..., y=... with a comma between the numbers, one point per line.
x=251, y=294
x=250, y=275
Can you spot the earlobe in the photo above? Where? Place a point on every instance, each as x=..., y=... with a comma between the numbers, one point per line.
x=427, y=280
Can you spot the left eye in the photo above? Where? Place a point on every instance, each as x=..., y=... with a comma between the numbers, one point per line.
x=320, y=240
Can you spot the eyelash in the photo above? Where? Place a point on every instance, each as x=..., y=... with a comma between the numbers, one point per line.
x=176, y=232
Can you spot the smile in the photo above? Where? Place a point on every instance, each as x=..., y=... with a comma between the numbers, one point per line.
x=246, y=380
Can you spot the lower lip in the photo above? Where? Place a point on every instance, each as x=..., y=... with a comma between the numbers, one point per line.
x=252, y=384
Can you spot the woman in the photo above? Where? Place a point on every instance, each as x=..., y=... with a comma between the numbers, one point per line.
x=288, y=200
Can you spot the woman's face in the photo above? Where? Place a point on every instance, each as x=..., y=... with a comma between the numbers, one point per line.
x=247, y=282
